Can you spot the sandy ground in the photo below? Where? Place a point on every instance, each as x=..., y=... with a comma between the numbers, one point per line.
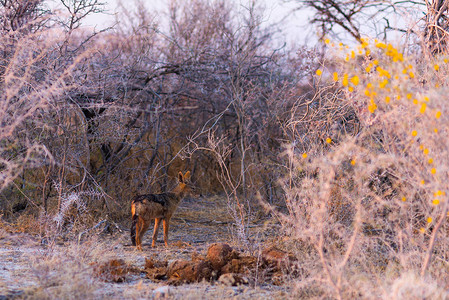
x=30, y=268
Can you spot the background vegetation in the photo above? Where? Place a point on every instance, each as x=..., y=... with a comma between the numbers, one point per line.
x=344, y=143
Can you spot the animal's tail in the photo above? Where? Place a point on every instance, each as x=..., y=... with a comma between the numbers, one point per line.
x=133, y=224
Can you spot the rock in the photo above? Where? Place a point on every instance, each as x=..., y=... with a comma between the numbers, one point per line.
x=243, y=264
x=151, y=263
x=156, y=270
x=278, y=259
x=220, y=254
x=274, y=254
x=184, y=271
x=232, y=279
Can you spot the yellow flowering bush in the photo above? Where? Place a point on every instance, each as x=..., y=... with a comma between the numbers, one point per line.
x=373, y=194
x=393, y=174
x=401, y=104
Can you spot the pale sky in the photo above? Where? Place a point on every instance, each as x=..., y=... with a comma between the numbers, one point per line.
x=295, y=25
x=296, y=30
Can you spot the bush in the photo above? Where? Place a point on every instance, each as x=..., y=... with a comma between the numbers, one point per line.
x=373, y=204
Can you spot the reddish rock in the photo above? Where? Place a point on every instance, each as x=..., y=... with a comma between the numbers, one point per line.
x=219, y=255
x=156, y=270
x=273, y=254
x=184, y=271
x=243, y=264
x=278, y=259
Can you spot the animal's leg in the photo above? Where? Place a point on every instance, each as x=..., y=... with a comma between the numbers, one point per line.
x=155, y=231
x=166, y=224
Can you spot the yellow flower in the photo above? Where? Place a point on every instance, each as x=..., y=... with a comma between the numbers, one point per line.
x=335, y=76
x=383, y=83
x=438, y=193
x=423, y=108
x=368, y=69
x=426, y=151
x=369, y=85
x=435, y=130
x=304, y=155
x=345, y=80
x=438, y=114
x=411, y=74
x=426, y=99
x=319, y=72
x=436, y=67
x=436, y=201
x=422, y=230
x=383, y=72
x=353, y=162
x=364, y=42
x=430, y=161
x=375, y=62
x=423, y=182
x=327, y=41
x=415, y=101
x=445, y=60
x=409, y=96
x=429, y=220
x=355, y=80
x=398, y=57
x=328, y=140
x=414, y=133
x=433, y=170
x=350, y=88
x=372, y=107
x=352, y=54
x=404, y=199
x=387, y=99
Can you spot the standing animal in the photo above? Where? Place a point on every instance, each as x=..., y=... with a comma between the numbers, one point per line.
x=145, y=208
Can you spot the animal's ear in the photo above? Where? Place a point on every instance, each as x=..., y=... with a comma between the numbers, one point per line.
x=187, y=176
x=180, y=177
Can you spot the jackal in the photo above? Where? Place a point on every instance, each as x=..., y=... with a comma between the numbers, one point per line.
x=145, y=208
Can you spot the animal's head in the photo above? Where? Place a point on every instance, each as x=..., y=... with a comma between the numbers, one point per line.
x=183, y=179
x=186, y=186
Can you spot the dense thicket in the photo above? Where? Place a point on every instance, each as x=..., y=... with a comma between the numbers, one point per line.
x=110, y=114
